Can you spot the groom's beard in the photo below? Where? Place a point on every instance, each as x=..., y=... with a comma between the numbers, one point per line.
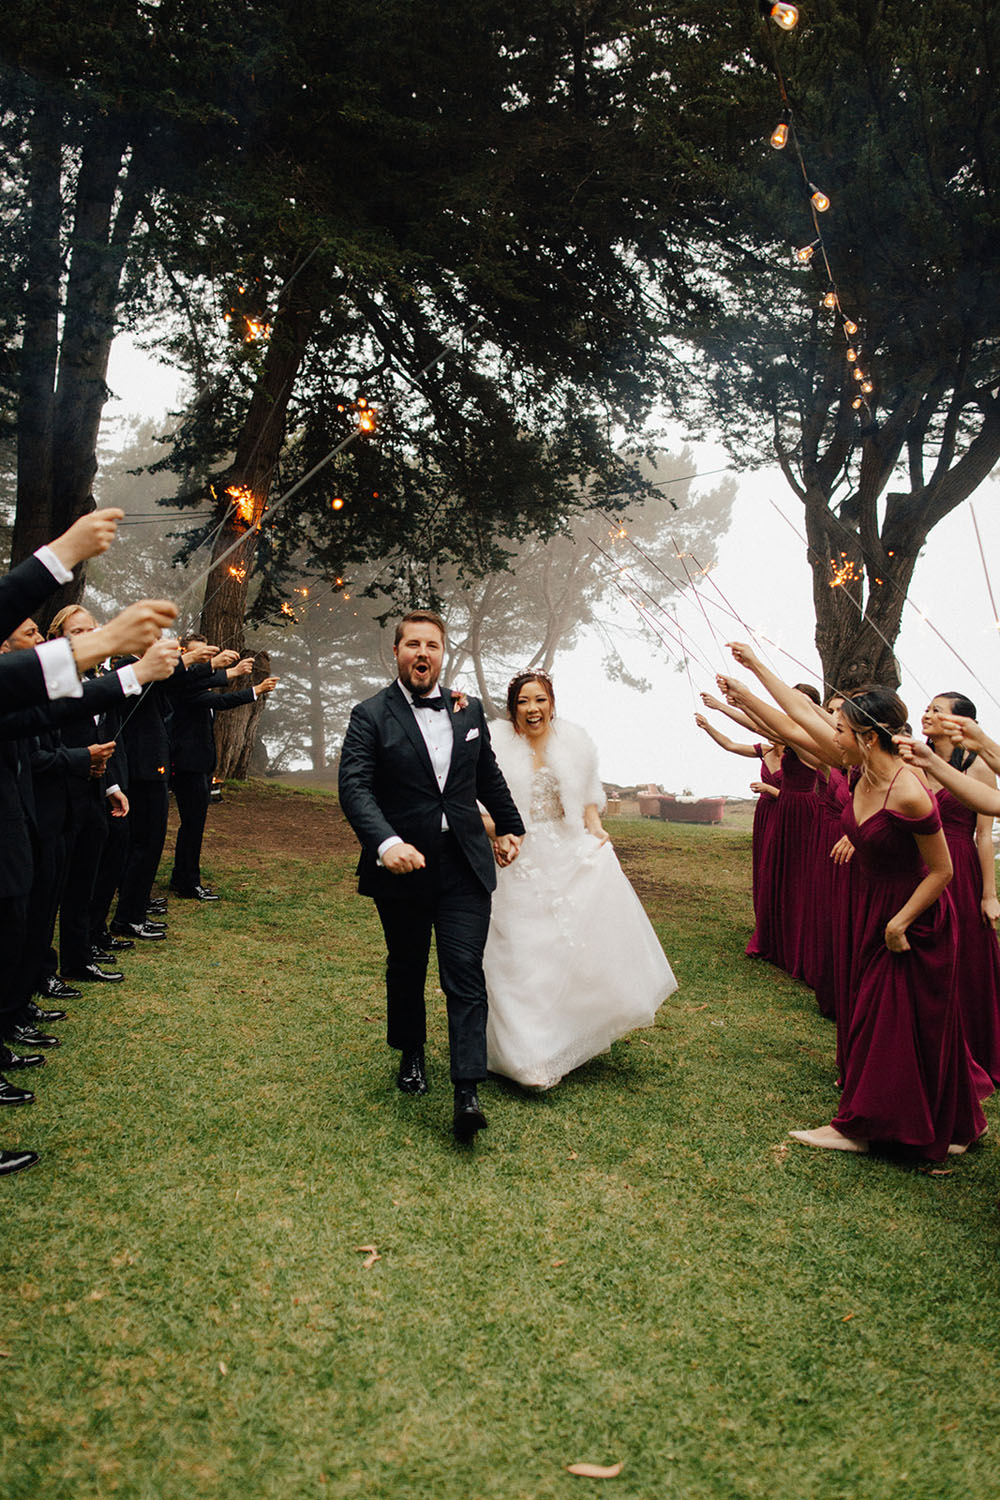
x=423, y=684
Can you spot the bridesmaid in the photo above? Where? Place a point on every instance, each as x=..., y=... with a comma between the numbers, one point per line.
x=908, y=1078
x=767, y=790
x=833, y=880
x=974, y=887
x=795, y=852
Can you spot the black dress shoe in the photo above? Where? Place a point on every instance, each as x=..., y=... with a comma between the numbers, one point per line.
x=412, y=1075
x=11, y=1060
x=10, y=1095
x=26, y=1036
x=157, y=907
x=16, y=1161
x=94, y=974
x=196, y=893
x=141, y=930
x=53, y=988
x=116, y=944
x=469, y=1118
x=44, y=1017
x=100, y=955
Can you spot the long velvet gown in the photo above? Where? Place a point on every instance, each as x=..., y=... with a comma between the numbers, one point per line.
x=979, y=951
x=908, y=1077
x=829, y=894
x=761, y=944
x=796, y=836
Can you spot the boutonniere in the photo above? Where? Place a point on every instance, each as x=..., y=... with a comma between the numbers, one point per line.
x=459, y=701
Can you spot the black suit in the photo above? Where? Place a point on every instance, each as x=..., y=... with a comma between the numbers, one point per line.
x=193, y=759
x=388, y=787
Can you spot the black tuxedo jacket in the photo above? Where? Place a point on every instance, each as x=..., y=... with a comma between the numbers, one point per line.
x=192, y=740
x=22, y=590
x=388, y=786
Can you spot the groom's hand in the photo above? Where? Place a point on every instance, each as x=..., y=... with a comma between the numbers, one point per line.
x=402, y=859
x=506, y=849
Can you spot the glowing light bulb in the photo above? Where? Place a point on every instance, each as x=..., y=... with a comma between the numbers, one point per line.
x=857, y=403
x=779, y=136
x=805, y=254
x=337, y=504
x=819, y=200
x=830, y=300
x=867, y=387
x=785, y=16
x=850, y=328
x=858, y=373
x=852, y=355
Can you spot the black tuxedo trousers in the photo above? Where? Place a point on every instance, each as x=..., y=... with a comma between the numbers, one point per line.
x=448, y=899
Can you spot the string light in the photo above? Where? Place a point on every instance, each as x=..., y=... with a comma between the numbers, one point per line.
x=779, y=135
x=850, y=328
x=858, y=373
x=805, y=253
x=818, y=199
x=337, y=504
x=867, y=387
x=852, y=355
x=830, y=300
x=857, y=403
x=785, y=16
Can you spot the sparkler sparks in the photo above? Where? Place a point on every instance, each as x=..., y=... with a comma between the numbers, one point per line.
x=843, y=572
x=238, y=573
x=243, y=502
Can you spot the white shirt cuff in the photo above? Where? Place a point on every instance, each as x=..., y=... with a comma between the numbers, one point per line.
x=108, y=790
x=129, y=681
x=46, y=556
x=388, y=844
x=62, y=680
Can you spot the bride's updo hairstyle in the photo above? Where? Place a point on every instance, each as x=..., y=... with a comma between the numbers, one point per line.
x=517, y=683
x=876, y=710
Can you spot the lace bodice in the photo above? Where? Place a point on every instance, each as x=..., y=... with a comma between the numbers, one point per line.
x=546, y=804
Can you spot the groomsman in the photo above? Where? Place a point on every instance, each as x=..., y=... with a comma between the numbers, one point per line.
x=413, y=764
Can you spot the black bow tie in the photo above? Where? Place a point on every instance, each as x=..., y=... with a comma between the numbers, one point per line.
x=436, y=703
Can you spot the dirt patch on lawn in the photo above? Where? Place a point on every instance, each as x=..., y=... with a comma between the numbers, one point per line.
x=258, y=821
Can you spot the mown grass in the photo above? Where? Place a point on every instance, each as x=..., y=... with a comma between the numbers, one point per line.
x=631, y=1268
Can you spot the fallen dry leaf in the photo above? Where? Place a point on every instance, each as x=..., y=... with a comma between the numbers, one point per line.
x=595, y=1471
x=847, y=1317
x=556, y=1263
x=371, y=1256
x=573, y=1155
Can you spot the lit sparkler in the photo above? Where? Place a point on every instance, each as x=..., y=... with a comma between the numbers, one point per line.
x=843, y=573
x=243, y=502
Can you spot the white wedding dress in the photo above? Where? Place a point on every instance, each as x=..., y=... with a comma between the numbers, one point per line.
x=572, y=962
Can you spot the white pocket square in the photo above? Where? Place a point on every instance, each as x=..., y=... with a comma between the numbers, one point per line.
x=473, y=734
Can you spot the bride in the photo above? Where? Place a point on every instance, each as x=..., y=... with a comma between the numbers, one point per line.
x=572, y=962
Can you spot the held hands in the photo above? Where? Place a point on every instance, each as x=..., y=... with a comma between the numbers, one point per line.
x=88, y=537
x=700, y=719
x=199, y=651
x=506, y=848
x=403, y=859
x=242, y=668
x=224, y=659
x=964, y=732
x=732, y=690
x=711, y=702
x=914, y=752
x=267, y=686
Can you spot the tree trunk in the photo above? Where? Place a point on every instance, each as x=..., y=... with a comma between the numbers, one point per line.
x=33, y=524
x=247, y=486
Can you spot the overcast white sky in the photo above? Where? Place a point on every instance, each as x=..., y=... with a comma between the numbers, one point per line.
x=764, y=575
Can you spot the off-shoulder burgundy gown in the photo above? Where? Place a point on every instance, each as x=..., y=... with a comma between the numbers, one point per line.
x=979, y=951
x=909, y=1079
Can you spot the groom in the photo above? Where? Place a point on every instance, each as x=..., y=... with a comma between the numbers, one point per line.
x=413, y=765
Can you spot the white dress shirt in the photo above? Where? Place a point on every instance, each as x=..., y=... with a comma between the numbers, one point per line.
x=439, y=737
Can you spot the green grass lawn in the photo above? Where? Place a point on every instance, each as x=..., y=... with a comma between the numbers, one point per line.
x=633, y=1268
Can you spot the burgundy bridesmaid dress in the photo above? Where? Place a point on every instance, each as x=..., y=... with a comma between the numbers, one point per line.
x=979, y=951
x=908, y=1077
x=761, y=944
x=830, y=883
x=796, y=838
